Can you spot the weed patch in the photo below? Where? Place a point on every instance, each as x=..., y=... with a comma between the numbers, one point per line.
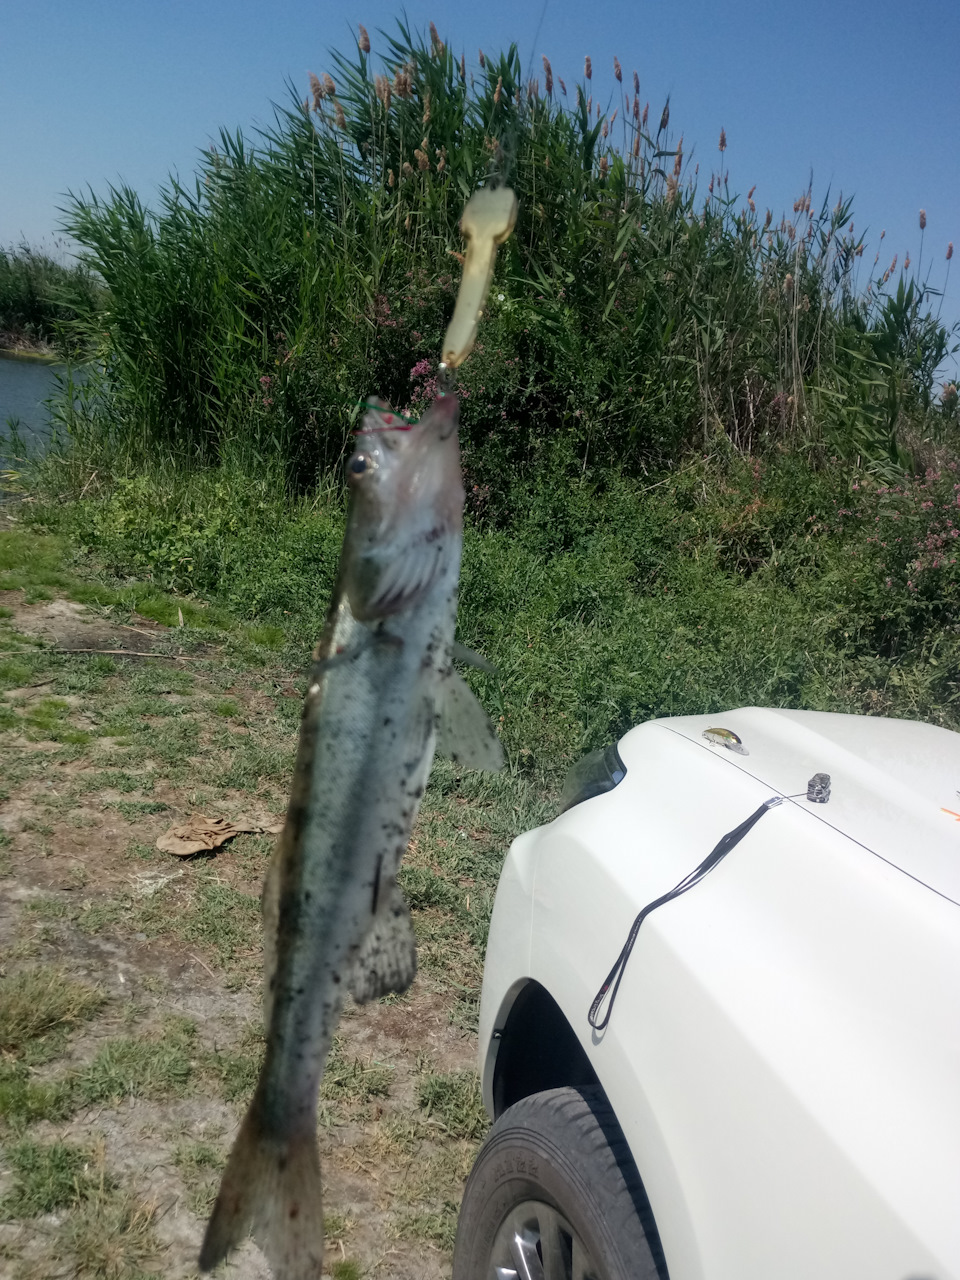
x=38, y=1003
x=47, y=1177
x=200, y=1165
x=111, y=1235
x=439, y=1226
x=454, y=1101
x=24, y=1100
x=351, y=1080
x=158, y=1067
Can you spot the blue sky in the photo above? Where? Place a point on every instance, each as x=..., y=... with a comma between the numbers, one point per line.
x=865, y=96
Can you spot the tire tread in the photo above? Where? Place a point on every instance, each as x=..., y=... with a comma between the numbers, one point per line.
x=574, y=1130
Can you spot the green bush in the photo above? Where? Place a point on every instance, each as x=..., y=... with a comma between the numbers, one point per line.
x=732, y=581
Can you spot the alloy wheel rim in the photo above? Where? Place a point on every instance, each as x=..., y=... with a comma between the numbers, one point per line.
x=536, y=1242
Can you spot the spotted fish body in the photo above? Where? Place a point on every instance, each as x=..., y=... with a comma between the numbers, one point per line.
x=334, y=918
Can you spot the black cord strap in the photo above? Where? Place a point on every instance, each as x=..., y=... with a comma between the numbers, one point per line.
x=720, y=851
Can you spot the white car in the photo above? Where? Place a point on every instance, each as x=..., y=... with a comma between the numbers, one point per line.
x=776, y=1094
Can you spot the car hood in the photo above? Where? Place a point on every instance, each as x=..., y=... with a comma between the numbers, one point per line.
x=895, y=784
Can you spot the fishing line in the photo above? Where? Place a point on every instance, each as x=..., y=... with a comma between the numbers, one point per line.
x=536, y=37
x=405, y=424
x=611, y=983
x=502, y=163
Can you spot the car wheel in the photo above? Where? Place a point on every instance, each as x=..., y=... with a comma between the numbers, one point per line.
x=554, y=1195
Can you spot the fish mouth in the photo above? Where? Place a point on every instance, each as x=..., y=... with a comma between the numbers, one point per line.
x=442, y=413
x=390, y=419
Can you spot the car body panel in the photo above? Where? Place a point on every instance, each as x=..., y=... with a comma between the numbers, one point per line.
x=784, y=1052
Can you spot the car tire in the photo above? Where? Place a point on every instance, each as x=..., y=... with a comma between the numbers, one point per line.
x=555, y=1195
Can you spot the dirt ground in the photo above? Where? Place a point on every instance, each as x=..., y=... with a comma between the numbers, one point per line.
x=130, y=981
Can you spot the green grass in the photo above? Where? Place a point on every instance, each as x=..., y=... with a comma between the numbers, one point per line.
x=24, y=1101
x=145, y=1067
x=47, y=1177
x=453, y=1100
x=41, y=1002
x=200, y=1164
x=237, y=1070
x=42, y=565
x=111, y=1236
x=345, y=1269
x=439, y=1226
x=352, y=1080
x=13, y=673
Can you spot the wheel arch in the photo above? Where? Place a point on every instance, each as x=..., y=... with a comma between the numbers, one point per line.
x=533, y=1048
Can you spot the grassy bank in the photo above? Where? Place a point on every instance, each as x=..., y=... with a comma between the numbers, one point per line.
x=730, y=581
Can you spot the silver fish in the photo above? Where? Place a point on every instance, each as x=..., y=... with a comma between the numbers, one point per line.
x=381, y=688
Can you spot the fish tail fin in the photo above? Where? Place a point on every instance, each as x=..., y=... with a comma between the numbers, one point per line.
x=270, y=1189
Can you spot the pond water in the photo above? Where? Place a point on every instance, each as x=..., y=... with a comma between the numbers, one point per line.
x=24, y=386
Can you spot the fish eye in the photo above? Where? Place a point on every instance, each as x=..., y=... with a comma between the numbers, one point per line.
x=359, y=463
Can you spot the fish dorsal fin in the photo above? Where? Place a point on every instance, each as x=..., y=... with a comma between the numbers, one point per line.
x=465, y=733
x=387, y=960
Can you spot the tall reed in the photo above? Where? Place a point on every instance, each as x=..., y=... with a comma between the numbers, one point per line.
x=634, y=314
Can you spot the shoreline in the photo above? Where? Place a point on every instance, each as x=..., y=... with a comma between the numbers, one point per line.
x=14, y=346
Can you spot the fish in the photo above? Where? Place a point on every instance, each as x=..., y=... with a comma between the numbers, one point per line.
x=382, y=692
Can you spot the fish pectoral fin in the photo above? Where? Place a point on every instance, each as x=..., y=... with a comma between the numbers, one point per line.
x=404, y=578
x=465, y=733
x=470, y=658
x=387, y=960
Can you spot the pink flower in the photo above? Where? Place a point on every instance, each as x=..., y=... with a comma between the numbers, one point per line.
x=266, y=380
x=420, y=369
